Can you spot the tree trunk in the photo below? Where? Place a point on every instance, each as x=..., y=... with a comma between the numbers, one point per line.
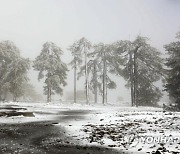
x=135, y=77
x=131, y=79
x=14, y=91
x=48, y=88
x=50, y=94
x=106, y=91
x=135, y=85
x=86, y=77
x=104, y=77
x=75, y=69
x=95, y=82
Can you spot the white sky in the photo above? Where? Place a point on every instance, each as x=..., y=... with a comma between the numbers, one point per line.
x=30, y=23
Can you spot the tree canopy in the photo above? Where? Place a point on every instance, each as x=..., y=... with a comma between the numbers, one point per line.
x=13, y=70
x=173, y=71
x=52, y=69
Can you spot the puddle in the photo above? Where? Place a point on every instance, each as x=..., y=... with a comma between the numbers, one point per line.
x=14, y=113
x=12, y=108
x=74, y=112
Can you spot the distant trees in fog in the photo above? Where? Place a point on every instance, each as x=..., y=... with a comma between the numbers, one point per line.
x=140, y=64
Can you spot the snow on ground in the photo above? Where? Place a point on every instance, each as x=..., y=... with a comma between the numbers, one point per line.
x=136, y=130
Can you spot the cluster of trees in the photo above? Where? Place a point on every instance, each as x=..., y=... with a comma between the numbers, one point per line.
x=14, y=72
x=140, y=64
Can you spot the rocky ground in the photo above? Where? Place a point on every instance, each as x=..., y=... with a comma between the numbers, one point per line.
x=150, y=135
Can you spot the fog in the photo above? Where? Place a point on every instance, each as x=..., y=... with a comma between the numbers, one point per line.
x=30, y=23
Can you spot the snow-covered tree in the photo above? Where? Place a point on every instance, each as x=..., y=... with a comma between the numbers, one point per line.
x=81, y=49
x=13, y=70
x=142, y=68
x=76, y=63
x=93, y=81
x=103, y=54
x=173, y=64
x=17, y=76
x=98, y=68
x=85, y=47
x=52, y=69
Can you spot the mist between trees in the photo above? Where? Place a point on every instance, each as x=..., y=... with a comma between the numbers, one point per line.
x=140, y=64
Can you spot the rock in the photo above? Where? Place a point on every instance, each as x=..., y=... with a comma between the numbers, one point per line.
x=157, y=152
x=139, y=149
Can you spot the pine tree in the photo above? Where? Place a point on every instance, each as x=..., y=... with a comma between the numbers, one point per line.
x=83, y=46
x=93, y=83
x=75, y=63
x=173, y=71
x=14, y=70
x=99, y=67
x=142, y=68
x=51, y=67
x=93, y=75
x=17, y=76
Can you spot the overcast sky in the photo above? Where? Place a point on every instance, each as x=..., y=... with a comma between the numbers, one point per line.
x=30, y=23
